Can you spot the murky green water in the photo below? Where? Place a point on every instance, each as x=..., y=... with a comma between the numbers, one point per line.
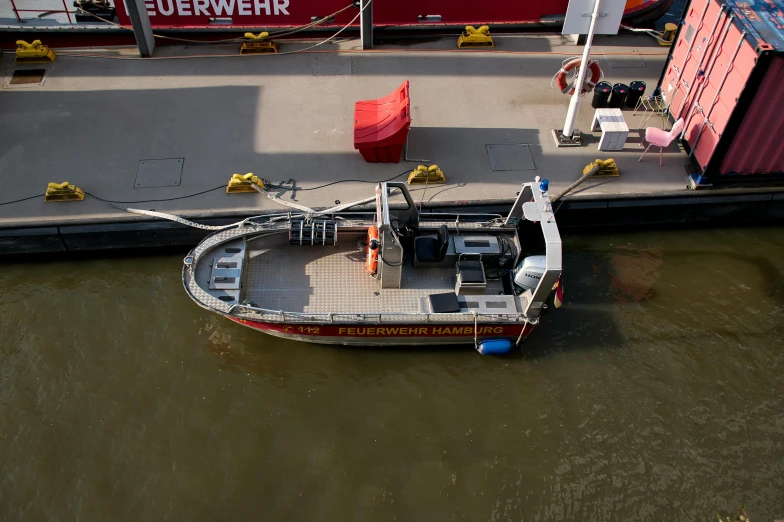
x=655, y=394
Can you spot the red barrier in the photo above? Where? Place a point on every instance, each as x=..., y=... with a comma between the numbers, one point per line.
x=381, y=126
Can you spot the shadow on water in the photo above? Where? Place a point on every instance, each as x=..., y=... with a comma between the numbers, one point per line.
x=584, y=324
x=160, y=252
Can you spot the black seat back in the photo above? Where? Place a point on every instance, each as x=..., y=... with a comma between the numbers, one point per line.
x=443, y=240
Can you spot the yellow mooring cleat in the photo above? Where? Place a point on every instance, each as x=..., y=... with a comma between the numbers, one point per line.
x=63, y=192
x=35, y=52
x=426, y=175
x=606, y=168
x=243, y=183
x=473, y=37
x=258, y=44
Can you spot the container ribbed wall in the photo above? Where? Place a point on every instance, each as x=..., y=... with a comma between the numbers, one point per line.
x=757, y=147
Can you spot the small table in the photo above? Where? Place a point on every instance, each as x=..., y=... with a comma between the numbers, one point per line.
x=614, y=128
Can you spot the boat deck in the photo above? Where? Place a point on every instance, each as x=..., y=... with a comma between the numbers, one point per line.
x=284, y=281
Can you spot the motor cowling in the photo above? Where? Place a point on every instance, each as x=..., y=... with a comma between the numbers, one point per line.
x=529, y=272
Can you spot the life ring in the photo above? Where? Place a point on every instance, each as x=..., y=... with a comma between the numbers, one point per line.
x=371, y=254
x=596, y=75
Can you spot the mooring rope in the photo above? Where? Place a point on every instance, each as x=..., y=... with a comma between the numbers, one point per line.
x=307, y=210
x=311, y=212
x=276, y=199
x=178, y=219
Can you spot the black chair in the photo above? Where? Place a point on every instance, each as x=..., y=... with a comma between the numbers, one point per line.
x=470, y=276
x=432, y=249
x=471, y=271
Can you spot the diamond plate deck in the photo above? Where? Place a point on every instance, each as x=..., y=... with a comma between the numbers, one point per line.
x=333, y=279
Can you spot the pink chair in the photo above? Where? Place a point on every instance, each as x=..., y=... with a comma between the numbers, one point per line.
x=661, y=138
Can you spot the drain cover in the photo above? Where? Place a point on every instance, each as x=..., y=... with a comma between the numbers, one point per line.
x=159, y=173
x=27, y=76
x=510, y=156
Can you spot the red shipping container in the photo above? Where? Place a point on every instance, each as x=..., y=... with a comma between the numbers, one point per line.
x=724, y=78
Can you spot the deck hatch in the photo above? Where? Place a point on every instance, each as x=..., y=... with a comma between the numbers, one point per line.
x=23, y=78
x=159, y=173
x=510, y=156
x=27, y=76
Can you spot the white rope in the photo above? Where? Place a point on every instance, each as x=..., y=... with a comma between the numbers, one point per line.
x=656, y=34
x=276, y=199
x=178, y=219
x=331, y=37
x=307, y=210
x=344, y=206
x=562, y=70
x=635, y=30
x=295, y=51
x=517, y=343
x=476, y=344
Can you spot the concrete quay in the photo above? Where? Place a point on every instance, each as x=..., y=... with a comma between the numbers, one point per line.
x=104, y=120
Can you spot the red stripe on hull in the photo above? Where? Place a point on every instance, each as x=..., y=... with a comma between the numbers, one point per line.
x=394, y=13
x=391, y=334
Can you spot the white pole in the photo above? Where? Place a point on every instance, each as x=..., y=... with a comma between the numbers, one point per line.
x=574, y=103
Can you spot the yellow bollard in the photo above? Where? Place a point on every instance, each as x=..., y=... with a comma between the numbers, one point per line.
x=258, y=44
x=669, y=34
x=35, y=52
x=606, y=168
x=63, y=192
x=473, y=37
x=426, y=175
x=243, y=183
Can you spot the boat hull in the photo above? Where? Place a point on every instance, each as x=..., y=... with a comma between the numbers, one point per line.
x=222, y=19
x=403, y=334
x=646, y=13
x=425, y=16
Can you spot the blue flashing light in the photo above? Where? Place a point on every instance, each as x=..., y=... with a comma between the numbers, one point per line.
x=544, y=185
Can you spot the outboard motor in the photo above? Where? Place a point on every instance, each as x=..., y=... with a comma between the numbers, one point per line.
x=529, y=272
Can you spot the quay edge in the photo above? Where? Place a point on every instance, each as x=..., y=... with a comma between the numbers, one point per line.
x=575, y=215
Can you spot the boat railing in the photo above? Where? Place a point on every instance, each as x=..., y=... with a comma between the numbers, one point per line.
x=41, y=12
x=283, y=216
x=439, y=216
x=274, y=222
x=470, y=217
x=365, y=216
x=365, y=317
